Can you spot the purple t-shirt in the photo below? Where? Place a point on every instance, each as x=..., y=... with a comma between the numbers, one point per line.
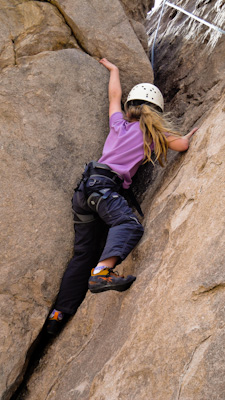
x=124, y=148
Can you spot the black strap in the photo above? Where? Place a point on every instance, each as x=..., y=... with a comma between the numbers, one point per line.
x=134, y=201
x=94, y=168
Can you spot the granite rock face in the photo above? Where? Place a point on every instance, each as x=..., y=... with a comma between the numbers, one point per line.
x=43, y=126
x=137, y=13
x=30, y=27
x=137, y=10
x=163, y=338
x=54, y=118
x=189, y=68
x=193, y=78
x=102, y=29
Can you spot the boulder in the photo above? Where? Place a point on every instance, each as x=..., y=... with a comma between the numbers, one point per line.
x=163, y=338
x=137, y=10
x=28, y=28
x=137, y=13
x=48, y=104
x=103, y=30
x=54, y=118
x=140, y=31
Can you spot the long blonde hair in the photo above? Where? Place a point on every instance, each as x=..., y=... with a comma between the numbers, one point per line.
x=154, y=125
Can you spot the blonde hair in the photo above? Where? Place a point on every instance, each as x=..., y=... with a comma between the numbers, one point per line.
x=154, y=125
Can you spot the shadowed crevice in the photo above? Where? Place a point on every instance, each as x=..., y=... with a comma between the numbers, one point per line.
x=34, y=354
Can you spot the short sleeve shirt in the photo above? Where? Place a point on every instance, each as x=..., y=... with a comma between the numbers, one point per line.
x=124, y=147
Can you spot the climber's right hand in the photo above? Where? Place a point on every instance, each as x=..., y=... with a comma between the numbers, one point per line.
x=107, y=64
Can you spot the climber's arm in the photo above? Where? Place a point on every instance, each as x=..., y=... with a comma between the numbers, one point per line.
x=180, y=143
x=114, y=88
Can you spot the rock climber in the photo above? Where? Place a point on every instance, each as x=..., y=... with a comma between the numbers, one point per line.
x=101, y=213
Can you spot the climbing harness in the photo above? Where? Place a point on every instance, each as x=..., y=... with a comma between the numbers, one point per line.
x=189, y=14
x=134, y=201
x=92, y=172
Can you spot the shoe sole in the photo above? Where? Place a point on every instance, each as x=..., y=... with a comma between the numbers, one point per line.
x=101, y=288
x=52, y=333
x=54, y=327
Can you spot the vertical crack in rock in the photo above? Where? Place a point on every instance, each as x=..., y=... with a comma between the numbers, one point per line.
x=34, y=354
x=39, y=347
x=74, y=28
x=64, y=16
x=30, y=39
x=62, y=371
x=192, y=364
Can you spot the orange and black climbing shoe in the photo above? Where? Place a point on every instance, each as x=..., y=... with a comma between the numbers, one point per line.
x=55, y=322
x=107, y=279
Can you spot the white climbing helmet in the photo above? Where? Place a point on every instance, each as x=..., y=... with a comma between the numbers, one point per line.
x=146, y=92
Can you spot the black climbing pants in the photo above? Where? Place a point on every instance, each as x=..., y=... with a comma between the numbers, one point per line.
x=104, y=226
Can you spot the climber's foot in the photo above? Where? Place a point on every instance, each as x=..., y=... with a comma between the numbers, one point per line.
x=55, y=322
x=107, y=279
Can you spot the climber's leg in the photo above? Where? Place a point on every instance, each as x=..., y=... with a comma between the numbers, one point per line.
x=124, y=233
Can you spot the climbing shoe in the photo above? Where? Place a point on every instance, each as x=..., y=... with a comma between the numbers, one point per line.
x=55, y=322
x=107, y=279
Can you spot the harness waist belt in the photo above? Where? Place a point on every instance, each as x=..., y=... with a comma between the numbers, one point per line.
x=95, y=168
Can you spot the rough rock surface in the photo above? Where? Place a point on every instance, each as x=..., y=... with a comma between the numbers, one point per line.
x=137, y=10
x=162, y=339
x=137, y=13
x=30, y=27
x=194, y=75
x=102, y=29
x=189, y=67
x=54, y=118
x=45, y=141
